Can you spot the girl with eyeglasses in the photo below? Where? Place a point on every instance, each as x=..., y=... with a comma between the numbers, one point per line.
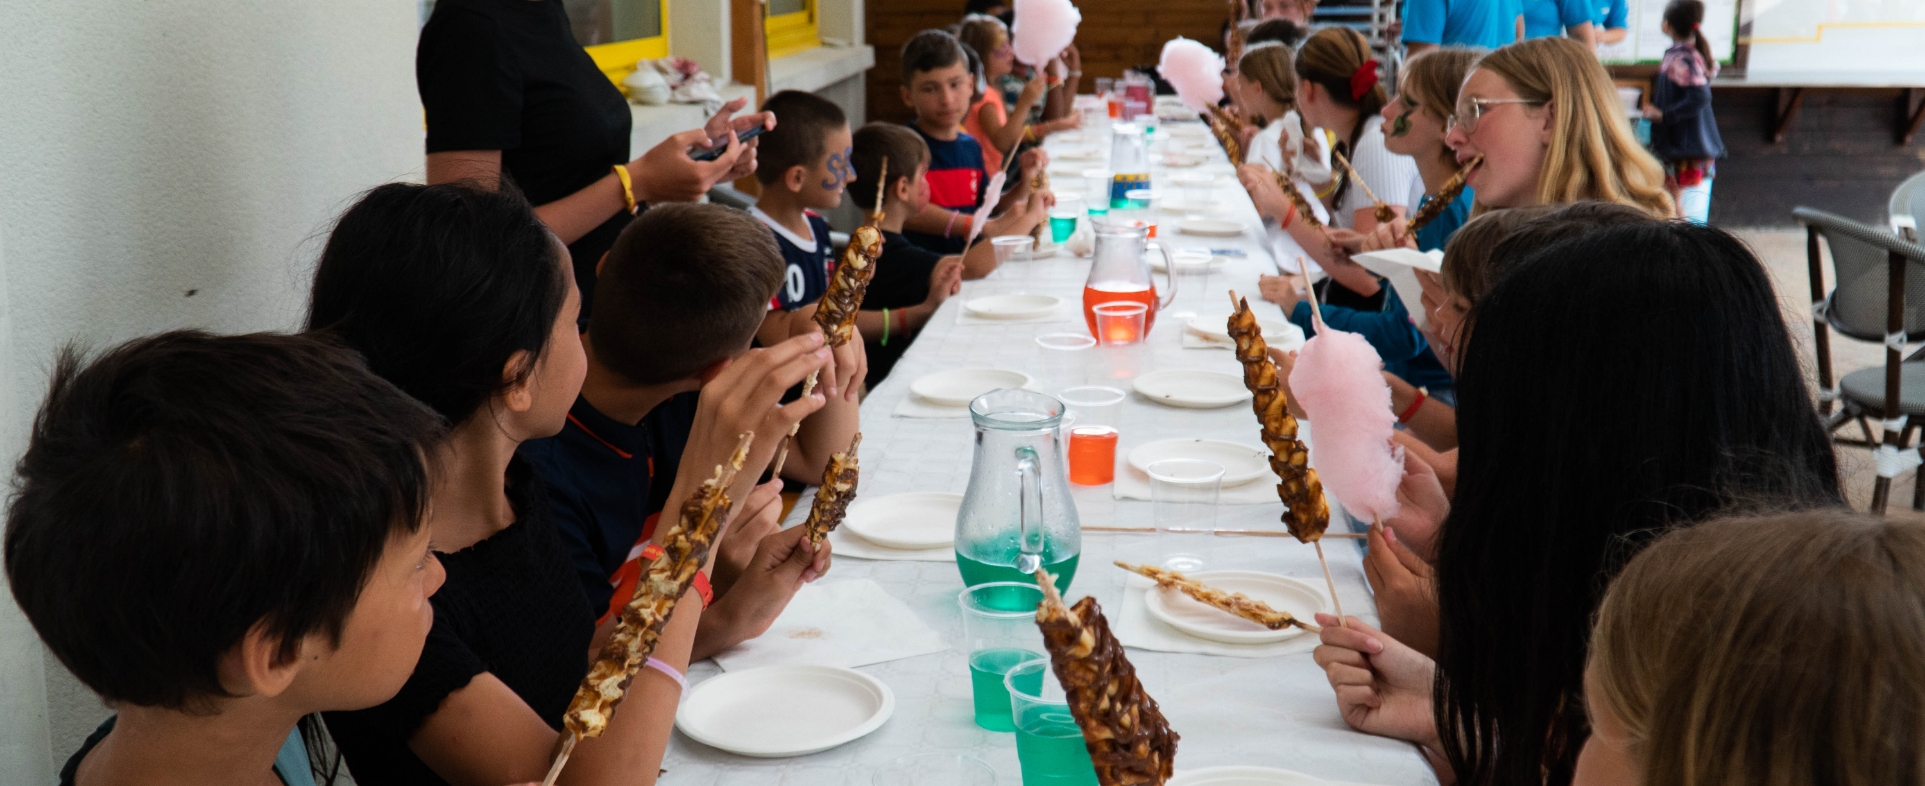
x=1547, y=120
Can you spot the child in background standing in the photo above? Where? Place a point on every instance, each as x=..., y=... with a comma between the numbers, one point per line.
x=937, y=83
x=1684, y=132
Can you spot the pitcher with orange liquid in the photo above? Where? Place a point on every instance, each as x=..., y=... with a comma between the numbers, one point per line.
x=1119, y=271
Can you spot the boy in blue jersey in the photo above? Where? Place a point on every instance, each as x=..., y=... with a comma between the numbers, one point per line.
x=803, y=168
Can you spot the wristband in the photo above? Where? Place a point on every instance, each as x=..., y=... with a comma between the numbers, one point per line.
x=651, y=552
x=658, y=665
x=1289, y=216
x=628, y=187
x=885, y=327
x=948, y=230
x=1411, y=411
x=702, y=588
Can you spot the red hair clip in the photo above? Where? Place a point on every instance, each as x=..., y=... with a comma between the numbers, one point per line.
x=1362, y=79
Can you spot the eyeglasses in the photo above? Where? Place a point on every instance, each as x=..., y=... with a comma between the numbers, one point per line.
x=1470, y=110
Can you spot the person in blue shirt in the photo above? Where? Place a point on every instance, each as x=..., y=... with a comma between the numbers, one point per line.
x=1487, y=23
x=1609, y=22
x=1543, y=18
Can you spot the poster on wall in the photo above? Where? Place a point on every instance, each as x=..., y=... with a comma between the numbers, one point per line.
x=1645, y=40
x=1852, y=40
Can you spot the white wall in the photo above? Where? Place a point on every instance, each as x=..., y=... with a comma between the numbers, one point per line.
x=163, y=164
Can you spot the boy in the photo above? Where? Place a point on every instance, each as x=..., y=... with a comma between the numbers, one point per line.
x=938, y=84
x=222, y=536
x=803, y=167
x=678, y=298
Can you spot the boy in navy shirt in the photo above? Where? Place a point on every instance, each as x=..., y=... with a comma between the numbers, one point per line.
x=803, y=166
x=678, y=298
x=937, y=83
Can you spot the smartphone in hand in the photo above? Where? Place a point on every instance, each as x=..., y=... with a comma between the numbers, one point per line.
x=710, y=154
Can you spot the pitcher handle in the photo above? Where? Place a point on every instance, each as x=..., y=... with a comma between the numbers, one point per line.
x=1030, y=510
x=1169, y=277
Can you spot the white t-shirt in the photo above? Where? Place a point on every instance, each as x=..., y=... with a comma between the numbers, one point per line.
x=1264, y=149
x=1391, y=176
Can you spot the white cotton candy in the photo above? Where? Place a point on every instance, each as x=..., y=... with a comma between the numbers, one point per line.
x=1043, y=29
x=1338, y=379
x=1195, y=71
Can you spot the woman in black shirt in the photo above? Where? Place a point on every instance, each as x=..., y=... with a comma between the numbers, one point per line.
x=508, y=90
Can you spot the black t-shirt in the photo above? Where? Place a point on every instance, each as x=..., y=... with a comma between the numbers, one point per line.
x=508, y=75
x=606, y=484
x=511, y=607
x=901, y=280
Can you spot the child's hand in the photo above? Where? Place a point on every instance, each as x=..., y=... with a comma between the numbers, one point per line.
x=847, y=366
x=944, y=280
x=783, y=562
x=1394, y=234
x=746, y=396
x=1285, y=362
x=1261, y=182
x=1653, y=114
x=1383, y=687
x=1033, y=160
x=1245, y=133
x=755, y=518
x=1034, y=89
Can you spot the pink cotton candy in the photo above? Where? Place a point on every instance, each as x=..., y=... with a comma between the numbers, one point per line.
x=1339, y=382
x=1044, y=28
x=1195, y=71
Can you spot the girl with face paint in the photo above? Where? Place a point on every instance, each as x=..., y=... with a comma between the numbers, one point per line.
x=1415, y=122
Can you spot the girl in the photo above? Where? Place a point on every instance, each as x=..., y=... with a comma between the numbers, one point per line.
x=1549, y=125
x=1719, y=656
x=1417, y=121
x=1338, y=91
x=1267, y=89
x=1573, y=445
x=989, y=118
x=1684, y=132
x=463, y=299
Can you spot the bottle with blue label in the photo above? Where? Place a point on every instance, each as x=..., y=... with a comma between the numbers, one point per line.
x=1130, y=165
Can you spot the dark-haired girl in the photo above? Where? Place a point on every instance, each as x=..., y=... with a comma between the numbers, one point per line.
x=1577, y=447
x=1684, y=132
x=463, y=299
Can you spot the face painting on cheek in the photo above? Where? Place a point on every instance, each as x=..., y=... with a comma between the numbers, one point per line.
x=1401, y=125
x=840, y=169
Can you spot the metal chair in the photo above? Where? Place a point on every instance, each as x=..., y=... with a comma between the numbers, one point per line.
x=1880, y=297
x=1907, y=208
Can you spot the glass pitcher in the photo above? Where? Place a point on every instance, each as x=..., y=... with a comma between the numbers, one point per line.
x=1129, y=166
x=1017, y=514
x=1118, y=271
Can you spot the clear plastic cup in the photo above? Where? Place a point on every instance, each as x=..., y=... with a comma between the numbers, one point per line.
x=1094, y=433
x=936, y=769
x=1120, y=322
x=1049, y=744
x=1010, y=247
x=1096, y=186
x=1063, y=217
x=1183, y=498
x=1064, y=359
x=999, y=632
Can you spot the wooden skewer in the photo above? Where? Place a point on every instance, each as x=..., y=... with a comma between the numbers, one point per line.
x=1258, y=533
x=1316, y=311
x=1331, y=583
x=554, y=770
x=1352, y=174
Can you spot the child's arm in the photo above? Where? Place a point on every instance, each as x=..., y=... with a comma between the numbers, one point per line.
x=1434, y=422
x=939, y=221
x=830, y=429
x=1021, y=218
x=945, y=279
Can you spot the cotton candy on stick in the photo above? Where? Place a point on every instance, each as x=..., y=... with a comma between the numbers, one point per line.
x=1338, y=380
x=1043, y=29
x=1195, y=71
x=992, y=194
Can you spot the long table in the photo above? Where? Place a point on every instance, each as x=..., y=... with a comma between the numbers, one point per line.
x=1276, y=712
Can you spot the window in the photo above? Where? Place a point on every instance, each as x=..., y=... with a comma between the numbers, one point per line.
x=617, y=33
x=790, y=27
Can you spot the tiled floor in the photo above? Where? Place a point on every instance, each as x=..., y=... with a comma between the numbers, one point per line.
x=1783, y=252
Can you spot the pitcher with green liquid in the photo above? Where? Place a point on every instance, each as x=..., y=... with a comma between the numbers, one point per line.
x=1017, y=514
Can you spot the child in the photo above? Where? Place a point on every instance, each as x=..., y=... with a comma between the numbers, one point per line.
x=1267, y=89
x=910, y=281
x=680, y=296
x=1778, y=649
x=222, y=536
x=1684, y=132
x=803, y=167
x=464, y=300
x=936, y=82
x=990, y=118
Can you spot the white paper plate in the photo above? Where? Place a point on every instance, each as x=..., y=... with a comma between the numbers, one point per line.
x=1192, y=130
x=1210, y=227
x=914, y=521
x=1276, y=332
x=1079, y=154
x=1191, y=616
x=1200, y=262
x=1241, y=463
x=1013, y=306
x=1192, y=389
x=958, y=387
x=1182, y=160
x=1432, y=261
x=1248, y=776
x=781, y=711
x=1067, y=137
x=1195, y=206
x=1193, y=179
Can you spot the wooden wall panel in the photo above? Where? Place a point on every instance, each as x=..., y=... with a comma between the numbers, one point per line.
x=1115, y=34
x=1840, y=154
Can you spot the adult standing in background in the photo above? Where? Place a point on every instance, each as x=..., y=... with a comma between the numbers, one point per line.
x=1489, y=24
x=508, y=90
x=1571, y=18
x=1609, y=20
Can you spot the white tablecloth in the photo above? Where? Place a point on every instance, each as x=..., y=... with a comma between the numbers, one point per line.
x=1275, y=712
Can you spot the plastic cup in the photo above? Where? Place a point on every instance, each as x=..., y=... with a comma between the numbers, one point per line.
x=1063, y=217
x=1183, y=498
x=1049, y=744
x=1120, y=322
x=1000, y=633
x=1009, y=246
x=935, y=769
x=1064, y=359
x=1133, y=109
x=1096, y=183
x=1094, y=432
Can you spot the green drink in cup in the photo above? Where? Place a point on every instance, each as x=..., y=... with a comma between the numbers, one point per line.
x=999, y=629
x=1049, y=744
x=1063, y=217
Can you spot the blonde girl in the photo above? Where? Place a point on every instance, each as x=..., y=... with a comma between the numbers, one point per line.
x=1415, y=122
x=1787, y=649
x=1266, y=85
x=1547, y=121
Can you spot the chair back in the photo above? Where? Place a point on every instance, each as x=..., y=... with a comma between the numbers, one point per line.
x=1860, y=257
x=1907, y=208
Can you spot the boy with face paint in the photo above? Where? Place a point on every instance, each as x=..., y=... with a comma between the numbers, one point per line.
x=803, y=169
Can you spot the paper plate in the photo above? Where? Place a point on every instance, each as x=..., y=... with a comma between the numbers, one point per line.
x=1191, y=616
x=1192, y=130
x=781, y=711
x=1067, y=137
x=1013, y=306
x=1210, y=227
x=1194, y=206
x=1241, y=463
x=1432, y=261
x=1248, y=776
x=1079, y=154
x=1193, y=179
x=1192, y=389
x=958, y=387
x=914, y=521
x=1182, y=160
x=1188, y=261
x=1276, y=332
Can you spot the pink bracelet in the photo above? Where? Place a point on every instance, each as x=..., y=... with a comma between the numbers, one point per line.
x=951, y=225
x=658, y=665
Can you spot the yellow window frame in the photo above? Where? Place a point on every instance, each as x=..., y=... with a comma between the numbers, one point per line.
x=788, y=34
x=617, y=60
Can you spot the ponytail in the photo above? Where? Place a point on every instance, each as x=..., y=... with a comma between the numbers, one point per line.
x=1338, y=60
x=1688, y=16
